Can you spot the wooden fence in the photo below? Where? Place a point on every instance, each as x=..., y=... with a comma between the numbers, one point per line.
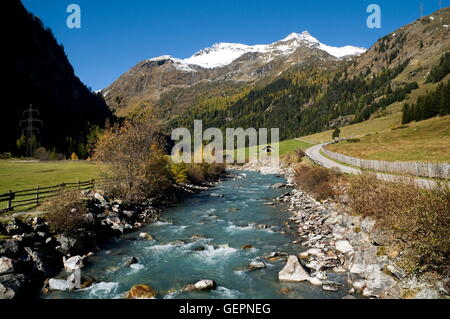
x=35, y=196
x=432, y=170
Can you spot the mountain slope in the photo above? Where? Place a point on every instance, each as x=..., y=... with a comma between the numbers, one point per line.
x=38, y=72
x=315, y=96
x=222, y=65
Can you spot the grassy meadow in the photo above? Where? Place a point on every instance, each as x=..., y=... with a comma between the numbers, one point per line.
x=18, y=175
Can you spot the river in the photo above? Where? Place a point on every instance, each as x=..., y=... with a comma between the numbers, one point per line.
x=220, y=226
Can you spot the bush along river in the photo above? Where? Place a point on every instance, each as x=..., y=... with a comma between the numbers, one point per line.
x=234, y=234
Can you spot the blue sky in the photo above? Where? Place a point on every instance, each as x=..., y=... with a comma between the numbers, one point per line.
x=117, y=34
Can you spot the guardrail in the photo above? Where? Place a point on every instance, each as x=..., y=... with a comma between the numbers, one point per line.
x=35, y=196
x=431, y=170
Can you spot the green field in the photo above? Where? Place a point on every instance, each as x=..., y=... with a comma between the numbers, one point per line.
x=427, y=141
x=19, y=175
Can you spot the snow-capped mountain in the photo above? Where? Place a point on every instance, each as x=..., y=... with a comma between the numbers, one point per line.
x=219, y=65
x=222, y=54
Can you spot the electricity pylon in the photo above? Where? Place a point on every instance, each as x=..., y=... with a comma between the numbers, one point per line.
x=30, y=128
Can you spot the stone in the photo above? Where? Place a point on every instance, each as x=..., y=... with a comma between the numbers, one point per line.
x=146, y=236
x=330, y=286
x=343, y=246
x=13, y=286
x=315, y=281
x=359, y=284
x=367, y=225
x=141, y=292
x=101, y=199
x=60, y=284
x=73, y=263
x=303, y=255
x=129, y=213
x=349, y=297
x=315, y=252
x=293, y=271
x=130, y=261
x=201, y=285
x=10, y=248
x=427, y=293
x=256, y=264
x=7, y=265
x=247, y=247
x=278, y=186
x=39, y=260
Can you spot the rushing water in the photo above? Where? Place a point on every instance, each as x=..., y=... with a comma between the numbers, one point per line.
x=227, y=223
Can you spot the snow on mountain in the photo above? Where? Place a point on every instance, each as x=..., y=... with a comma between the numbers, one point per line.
x=222, y=54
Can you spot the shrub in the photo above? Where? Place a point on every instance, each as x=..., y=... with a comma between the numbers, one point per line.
x=65, y=213
x=420, y=218
x=138, y=167
x=317, y=180
x=179, y=172
x=41, y=154
x=74, y=156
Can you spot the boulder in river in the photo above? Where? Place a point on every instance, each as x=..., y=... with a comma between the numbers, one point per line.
x=141, y=292
x=201, y=285
x=256, y=264
x=146, y=236
x=73, y=263
x=247, y=247
x=293, y=271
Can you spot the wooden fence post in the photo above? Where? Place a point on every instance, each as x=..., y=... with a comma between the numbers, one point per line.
x=10, y=198
x=37, y=195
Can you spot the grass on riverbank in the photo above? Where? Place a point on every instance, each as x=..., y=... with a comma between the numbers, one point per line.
x=18, y=175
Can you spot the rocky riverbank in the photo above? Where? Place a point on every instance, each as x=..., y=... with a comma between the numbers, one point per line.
x=30, y=254
x=332, y=240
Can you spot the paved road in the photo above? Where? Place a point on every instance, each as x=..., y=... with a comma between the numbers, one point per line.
x=314, y=154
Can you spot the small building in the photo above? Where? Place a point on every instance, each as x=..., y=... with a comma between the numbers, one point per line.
x=267, y=149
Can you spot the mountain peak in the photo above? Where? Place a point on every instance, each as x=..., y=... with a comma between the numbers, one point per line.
x=304, y=36
x=221, y=54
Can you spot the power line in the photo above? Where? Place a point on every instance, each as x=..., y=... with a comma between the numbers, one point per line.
x=30, y=128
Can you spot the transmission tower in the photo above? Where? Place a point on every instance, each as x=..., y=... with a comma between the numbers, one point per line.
x=440, y=4
x=30, y=128
x=421, y=9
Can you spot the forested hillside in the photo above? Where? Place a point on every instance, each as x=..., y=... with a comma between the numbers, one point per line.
x=36, y=71
x=317, y=95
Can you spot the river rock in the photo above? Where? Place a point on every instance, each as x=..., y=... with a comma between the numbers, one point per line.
x=101, y=199
x=256, y=264
x=247, y=247
x=12, y=286
x=141, y=292
x=293, y=271
x=10, y=248
x=278, y=186
x=343, y=246
x=130, y=261
x=146, y=236
x=60, y=284
x=7, y=265
x=73, y=263
x=201, y=285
